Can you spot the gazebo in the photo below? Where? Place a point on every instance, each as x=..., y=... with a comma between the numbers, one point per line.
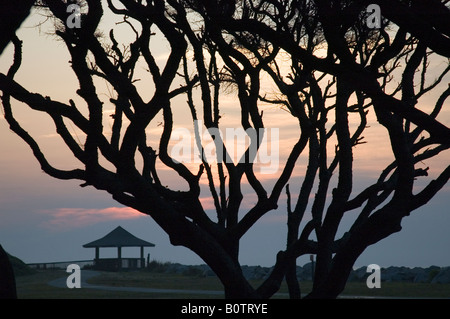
x=119, y=238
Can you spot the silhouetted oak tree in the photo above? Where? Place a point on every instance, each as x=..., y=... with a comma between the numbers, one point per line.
x=338, y=69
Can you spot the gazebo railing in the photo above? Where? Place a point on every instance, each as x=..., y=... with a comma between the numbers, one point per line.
x=108, y=264
x=60, y=264
x=114, y=264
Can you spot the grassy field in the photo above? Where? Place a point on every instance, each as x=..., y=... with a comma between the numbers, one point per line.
x=35, y=286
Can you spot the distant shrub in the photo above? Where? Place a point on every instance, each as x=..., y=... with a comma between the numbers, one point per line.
x=433, y=273
x=20, y=268
x=194, y=272
x=158, y=266
x=175, y=268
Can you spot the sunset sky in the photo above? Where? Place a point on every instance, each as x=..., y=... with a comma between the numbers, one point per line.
x=43, y=219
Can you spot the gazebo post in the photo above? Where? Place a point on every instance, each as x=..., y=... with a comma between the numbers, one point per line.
x=142, y=257
x=119, y=256
x=97, y=252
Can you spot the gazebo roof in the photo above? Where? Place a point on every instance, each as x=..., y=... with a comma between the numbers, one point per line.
x=119, y=237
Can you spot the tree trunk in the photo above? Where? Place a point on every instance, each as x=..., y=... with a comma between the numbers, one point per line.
x=368, y=233
x=7, y=279
x=292, y=280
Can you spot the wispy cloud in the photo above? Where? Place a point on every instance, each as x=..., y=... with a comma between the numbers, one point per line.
x=66, y=218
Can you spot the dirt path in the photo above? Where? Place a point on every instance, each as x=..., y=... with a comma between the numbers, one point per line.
x=86, y=274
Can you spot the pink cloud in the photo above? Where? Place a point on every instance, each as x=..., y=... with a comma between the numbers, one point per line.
x=63, y=218
x=207, y=203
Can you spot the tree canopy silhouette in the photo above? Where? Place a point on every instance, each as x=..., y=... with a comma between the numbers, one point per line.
x=12, y=14
x=330, y=70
